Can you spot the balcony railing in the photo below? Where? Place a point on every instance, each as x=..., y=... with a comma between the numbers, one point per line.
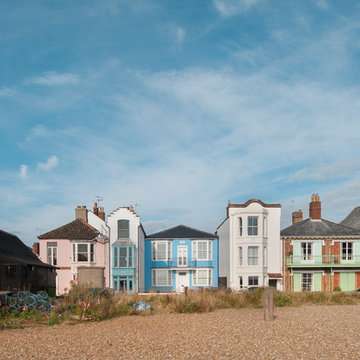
x=323, y=261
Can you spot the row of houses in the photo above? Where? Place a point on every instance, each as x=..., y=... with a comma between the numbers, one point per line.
x=247, y=249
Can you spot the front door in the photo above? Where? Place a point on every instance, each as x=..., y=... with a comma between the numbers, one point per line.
x=272, y=283
x=182, y=280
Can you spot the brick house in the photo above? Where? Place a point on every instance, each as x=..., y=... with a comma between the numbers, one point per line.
x=320, y=255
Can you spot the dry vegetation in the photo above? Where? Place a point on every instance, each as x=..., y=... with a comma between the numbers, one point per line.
x=87, y=305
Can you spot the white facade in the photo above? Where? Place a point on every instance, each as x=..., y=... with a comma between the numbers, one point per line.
x=98, y=223
x=250, y=245
x=136, y=238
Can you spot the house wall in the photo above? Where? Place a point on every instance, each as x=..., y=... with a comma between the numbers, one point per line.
x=173, y=264
x=224, y=250
x=67, y=269
x=98, y=223
x=267, y=241
x=124, y=213
x=141, y=237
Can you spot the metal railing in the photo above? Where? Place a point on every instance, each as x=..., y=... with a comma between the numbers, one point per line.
x=323, y=260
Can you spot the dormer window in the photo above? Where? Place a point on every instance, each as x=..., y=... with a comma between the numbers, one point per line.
x=123, y=229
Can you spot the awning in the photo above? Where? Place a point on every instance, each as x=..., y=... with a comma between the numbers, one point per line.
x=274, y=276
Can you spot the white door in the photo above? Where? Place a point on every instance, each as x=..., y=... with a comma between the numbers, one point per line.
x=182, y=280
x=182, y=255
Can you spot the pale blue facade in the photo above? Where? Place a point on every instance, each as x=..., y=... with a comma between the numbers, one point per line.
x=175, y=263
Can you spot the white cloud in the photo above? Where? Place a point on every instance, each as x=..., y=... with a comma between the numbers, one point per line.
x=23, y=172
x=53, y=78
x=6, y=91
x=50, y=164
x=180, y=34
x=322, y=4
x=229, y=8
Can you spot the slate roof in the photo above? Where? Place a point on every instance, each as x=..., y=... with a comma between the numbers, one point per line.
x=318, y=228
x=353, y=219
x=182, y=232
x=13, y=251
x=75, y=230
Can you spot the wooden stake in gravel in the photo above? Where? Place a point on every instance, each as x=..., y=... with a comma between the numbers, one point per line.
x=269, y=303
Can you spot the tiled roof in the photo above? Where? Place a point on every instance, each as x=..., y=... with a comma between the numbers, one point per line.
x=353, y=219
x=14, y=251
x=182, y=232
x=318, y=228
x=75, y=230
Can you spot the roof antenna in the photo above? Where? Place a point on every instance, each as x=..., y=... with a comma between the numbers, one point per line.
x=98, y=198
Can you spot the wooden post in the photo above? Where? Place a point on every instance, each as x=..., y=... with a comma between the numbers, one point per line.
x=186, y=290
x=269, y=303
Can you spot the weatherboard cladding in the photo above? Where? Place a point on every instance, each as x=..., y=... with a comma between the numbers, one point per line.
x=14, y=251
x=182, y=232
x=75, y=230
x=353, y=219
x=318, y=228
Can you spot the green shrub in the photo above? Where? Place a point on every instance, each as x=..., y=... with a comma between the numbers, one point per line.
x=281, y=299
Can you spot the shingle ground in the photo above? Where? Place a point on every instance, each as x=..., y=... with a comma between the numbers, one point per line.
x=307, y=332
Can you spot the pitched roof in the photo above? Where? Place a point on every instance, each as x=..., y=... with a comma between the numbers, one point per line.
x=318, y=228
x=182, y=232
x=75, y=230
x=353, y=219
x=14, y=251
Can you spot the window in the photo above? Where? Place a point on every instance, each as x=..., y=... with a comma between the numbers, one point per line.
x=83, y=252
x=346, y=251
x=306, y=251
x=265, y=226
x=161, y=277
x=123, y=256
x=182, y=255
x=306, y=281
x=253, y=280
x=202, y=277
x=240, y=256
x=253, y=256
x=240, y=226
x=161, y=251
x=52, y=253
x=241, y=282
x=252, y=225
x=123, y=229
x=202, y=250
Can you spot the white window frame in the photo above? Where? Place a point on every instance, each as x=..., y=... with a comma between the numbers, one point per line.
x=195, y=250
x=167, y=277
x=305, y=281
x=155, y=252
x=206, y=274
x=307, y=250
x=253, y=279
x=253, y=260
x=182, y=260
x=240, y=256
x=253, y=227
x=52, y=246
x=76, y=252
x=348, y=256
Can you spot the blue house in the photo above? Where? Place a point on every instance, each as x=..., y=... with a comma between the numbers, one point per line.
x=181, y=257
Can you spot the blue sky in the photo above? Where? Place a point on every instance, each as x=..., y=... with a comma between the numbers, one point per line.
x=178, y=107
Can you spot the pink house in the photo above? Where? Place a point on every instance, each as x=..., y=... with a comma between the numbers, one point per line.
x=83, y=242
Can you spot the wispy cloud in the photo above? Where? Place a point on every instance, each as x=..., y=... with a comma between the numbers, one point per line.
x=6, y=91
x=53, y=78
x=23, y=172
x=322, y=4
x=50, y=164
x=229, y=8
x=180, y=34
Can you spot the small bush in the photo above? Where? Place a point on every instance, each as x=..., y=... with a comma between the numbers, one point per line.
x=281, y=299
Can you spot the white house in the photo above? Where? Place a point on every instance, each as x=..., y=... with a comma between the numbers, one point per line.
x=250, y=246
x=126, y=250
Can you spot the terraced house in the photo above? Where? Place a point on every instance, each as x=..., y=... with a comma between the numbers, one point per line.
x=179, y=258
x=320, y=255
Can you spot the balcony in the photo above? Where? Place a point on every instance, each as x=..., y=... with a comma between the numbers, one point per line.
x=323, y=261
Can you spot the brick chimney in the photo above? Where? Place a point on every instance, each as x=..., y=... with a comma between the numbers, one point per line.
x=96, y=209
x=315, y=207
x=297, y=216
x=101, y=213
x=36, y=249
x=81, y=213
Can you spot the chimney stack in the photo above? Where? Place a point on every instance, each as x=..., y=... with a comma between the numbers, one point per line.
x=297, y=216
x=101, y=213
x=36, y=249
x=81, y=213
x=96, y=209
x=315, y=207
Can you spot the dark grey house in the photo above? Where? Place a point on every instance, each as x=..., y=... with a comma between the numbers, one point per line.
x=21, y=269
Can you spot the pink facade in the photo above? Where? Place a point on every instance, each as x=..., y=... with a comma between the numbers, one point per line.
x=65, y=254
